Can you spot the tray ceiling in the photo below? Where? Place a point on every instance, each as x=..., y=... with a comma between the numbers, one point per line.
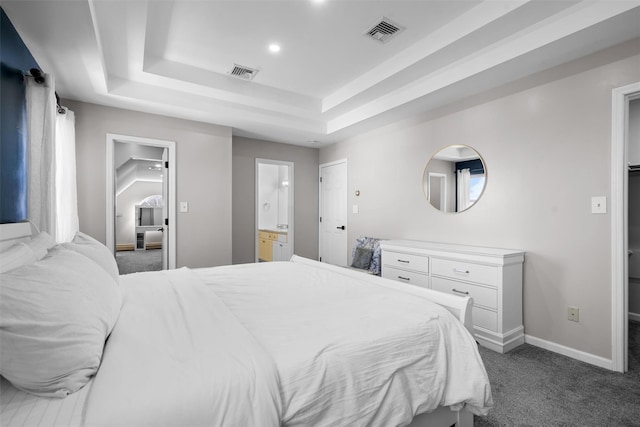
x=330, y=80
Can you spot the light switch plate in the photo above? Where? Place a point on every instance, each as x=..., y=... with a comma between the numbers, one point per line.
x=355, y=209
x=599, y=204
x=184, y=207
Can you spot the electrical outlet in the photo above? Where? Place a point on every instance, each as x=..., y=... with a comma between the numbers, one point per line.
x=573, y=314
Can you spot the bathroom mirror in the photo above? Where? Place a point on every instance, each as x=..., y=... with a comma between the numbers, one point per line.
x=454, y=178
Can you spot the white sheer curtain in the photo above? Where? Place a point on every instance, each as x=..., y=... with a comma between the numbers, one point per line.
x=464, y=180
x=65, y=174
x=52, y=204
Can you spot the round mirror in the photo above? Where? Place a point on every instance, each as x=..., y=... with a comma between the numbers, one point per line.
x=454, y=178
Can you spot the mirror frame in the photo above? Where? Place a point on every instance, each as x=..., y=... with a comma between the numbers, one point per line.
x=426, y=178
x=290, y=228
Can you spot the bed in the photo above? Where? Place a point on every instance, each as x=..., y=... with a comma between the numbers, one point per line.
x=297, y=343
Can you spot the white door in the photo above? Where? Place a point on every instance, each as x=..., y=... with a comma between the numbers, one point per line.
x=333, y=213
x=165, y=209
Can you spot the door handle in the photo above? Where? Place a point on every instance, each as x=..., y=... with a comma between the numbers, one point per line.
x=342, y=227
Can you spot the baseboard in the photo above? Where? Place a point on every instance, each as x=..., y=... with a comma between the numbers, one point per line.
x=124, y=247
x=634, y=316
x=570, y=352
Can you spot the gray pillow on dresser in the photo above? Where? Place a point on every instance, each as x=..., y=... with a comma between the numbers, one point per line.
x=362, y=258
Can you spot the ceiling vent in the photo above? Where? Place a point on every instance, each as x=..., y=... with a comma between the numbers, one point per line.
x=242, y=72
x=384, y=30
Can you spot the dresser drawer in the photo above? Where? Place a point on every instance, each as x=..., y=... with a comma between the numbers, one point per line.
x=405, y=276
x=408, y=261
x=481, y=295
x=484, y=318
x=485, y=274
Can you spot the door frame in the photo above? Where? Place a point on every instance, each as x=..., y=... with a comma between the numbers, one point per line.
x=333, y=163
x=111, y=139
x=291, y=213
x=443, y=189
x=619, y=224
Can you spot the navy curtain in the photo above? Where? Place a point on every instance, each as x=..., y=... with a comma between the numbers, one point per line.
x=15, y=60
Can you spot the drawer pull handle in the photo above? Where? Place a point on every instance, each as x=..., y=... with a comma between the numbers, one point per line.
x=404, y=278
x=457, y=270
x=403, y=260
x=460, y=292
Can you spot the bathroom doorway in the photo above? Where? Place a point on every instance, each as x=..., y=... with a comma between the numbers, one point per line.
x=274, y=210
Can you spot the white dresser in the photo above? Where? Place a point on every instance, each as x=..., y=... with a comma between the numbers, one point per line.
x=492, y=277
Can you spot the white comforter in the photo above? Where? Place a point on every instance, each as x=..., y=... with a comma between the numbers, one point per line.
x=177, y=356
x=350, y=352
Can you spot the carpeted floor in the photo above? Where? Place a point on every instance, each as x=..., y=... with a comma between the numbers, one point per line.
x=136, y=261
x=535, y=387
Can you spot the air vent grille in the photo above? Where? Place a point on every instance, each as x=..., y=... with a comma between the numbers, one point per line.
x=384, y=30
x=242, y=72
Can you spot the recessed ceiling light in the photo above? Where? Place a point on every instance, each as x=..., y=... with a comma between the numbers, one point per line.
x=275, y=48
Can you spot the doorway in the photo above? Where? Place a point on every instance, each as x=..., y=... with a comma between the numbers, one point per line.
x=620, y=128
x=333, y=213
x=274, y=210
x=140, y=218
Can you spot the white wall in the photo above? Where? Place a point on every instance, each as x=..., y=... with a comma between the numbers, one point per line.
x=546, y=143
x=124, y=151
x=203, y=168
x=268, y=196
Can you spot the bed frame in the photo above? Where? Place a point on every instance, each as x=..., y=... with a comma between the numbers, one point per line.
x=442, y=416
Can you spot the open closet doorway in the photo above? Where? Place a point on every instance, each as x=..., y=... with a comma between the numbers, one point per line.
x=625, y=154
x=274, y=210
x=140, y=203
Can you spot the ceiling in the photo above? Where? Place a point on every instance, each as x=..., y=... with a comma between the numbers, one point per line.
x=329, y=81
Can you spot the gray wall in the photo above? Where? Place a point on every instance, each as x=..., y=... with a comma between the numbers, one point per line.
x=546, y=142
x=305, y=160
x=203, y=157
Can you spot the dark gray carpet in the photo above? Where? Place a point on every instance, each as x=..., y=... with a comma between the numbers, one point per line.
x=535, y=387
x=136, y=261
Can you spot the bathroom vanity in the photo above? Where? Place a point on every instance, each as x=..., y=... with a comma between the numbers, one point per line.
x=273, y=245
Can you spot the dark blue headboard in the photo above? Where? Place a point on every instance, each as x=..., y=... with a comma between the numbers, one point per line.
x=15, y=61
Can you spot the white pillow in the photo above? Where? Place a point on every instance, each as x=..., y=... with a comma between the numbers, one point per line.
x=41, y=243
x=16, y=256
x=91, y=248
x=55, y=315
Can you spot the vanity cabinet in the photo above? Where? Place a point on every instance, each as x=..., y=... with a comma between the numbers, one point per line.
x=273, y=246
x=491, y=277
x=265, y=246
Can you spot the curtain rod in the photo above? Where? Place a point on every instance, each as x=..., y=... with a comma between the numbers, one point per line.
x=38, y=77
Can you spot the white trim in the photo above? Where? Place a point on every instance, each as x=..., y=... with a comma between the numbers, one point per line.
x=592, y=359
x=443, y=189
x=634, y=316
x=291, y=228
x=110, y=178
x=619, y=238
